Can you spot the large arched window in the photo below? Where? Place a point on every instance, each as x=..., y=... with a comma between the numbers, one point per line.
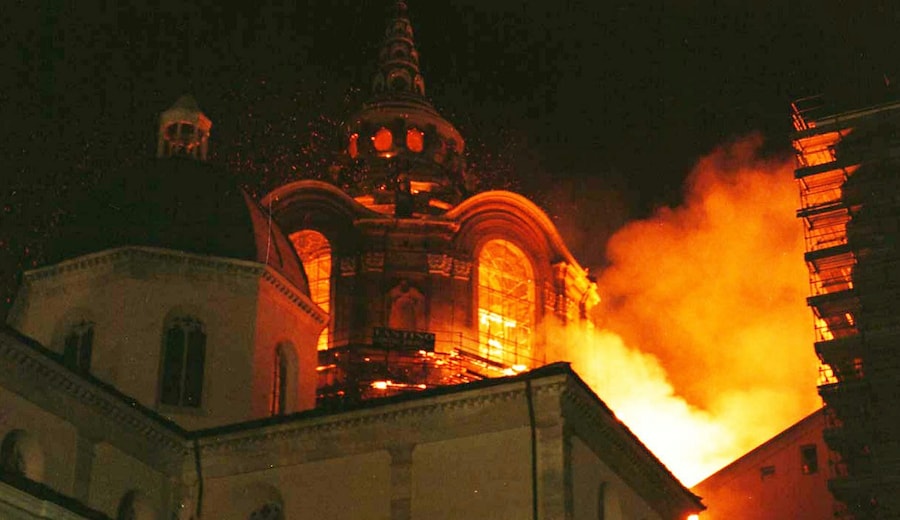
x=506, y=303
x=284, y=380
x=184, y=355
x=315, y=252
x=78, y=345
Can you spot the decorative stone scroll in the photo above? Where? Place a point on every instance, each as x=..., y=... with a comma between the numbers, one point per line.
x=373, y=261
x=440, y=264
x=348, y=266
x=462, y=270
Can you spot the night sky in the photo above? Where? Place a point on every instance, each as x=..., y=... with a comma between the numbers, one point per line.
x=597, y=110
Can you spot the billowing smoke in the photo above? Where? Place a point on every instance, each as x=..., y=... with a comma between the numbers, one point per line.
x=704, y=345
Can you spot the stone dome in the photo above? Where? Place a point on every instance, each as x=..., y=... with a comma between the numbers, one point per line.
x=181, y=204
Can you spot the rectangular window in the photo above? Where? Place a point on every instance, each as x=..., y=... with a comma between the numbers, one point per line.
x=184, y=356
x=79, y=344
x=172, y=367
x=766, y=472
x=809, y=459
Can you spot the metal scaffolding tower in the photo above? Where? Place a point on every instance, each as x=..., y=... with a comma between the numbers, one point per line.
x=848, y=170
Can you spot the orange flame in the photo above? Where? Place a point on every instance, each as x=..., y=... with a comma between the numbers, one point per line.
x=706, y=350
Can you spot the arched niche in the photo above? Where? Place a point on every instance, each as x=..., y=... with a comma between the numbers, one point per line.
x=21, y=455
x=134, y=505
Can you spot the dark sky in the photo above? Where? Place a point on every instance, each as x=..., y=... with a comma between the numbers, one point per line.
x=596, y=109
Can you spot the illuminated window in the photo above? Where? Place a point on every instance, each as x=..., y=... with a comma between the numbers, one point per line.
x=315, y=252
x=506, y=303
x=78, y=344
x=183, y=358
x=383, y=140
x=415, y=140
x=352, y=147
x=809, y=459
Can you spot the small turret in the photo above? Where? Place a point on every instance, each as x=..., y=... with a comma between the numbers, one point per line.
x=183, y=130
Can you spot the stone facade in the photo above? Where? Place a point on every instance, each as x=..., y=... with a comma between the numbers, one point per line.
x=481, y=449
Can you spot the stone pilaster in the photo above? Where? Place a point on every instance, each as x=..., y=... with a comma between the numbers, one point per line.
x=401, y=481
x=84, y=465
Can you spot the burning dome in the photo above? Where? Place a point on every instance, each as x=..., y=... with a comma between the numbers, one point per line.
x=398, y=143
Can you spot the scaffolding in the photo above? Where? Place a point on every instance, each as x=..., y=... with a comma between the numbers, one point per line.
x=847, y=172
x=352, y=373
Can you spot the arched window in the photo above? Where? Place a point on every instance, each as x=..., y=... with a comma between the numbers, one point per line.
x=184, y=353
x=135, y=505
x=21, y=455
x=315, y=252
x=270, y=511
x=284, y=380
x=279, y=383
x=78, y=345
x=506, y=303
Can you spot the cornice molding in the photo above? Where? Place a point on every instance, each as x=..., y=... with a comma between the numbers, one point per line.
x=124, y=255
x=36, y=366
x=214, y=444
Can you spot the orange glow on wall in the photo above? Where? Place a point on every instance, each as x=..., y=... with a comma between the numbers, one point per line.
x=383, y=140
x=353, y=146
x=415, y=140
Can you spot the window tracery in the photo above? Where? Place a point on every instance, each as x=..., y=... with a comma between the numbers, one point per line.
x=314, y=251
x=506, y=303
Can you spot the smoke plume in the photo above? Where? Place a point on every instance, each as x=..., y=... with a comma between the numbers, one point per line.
x=704, y=345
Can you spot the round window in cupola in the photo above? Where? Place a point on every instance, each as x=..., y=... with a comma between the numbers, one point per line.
x=415, y=140
x=383, y=140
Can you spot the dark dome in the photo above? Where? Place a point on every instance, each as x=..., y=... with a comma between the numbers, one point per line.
x=179, y=204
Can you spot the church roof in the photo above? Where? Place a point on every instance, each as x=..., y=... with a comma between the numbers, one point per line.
x=180, y=204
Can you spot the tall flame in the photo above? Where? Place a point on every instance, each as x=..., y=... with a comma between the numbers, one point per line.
x=706, y=346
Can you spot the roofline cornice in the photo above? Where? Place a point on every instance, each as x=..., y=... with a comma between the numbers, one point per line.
x=123, y=255
x=507, y=199
x=37, y=363
x=594, y=422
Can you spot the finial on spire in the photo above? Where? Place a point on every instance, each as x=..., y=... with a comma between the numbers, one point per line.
x=398, y=61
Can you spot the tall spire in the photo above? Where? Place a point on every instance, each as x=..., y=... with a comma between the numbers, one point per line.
x=402, y=156
x=398, y=61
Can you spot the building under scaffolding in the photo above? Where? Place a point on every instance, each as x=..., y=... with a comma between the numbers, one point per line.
x=848, y=165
